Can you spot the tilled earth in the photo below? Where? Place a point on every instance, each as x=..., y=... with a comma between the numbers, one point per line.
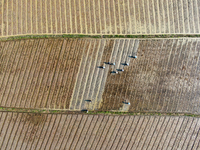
x=62, y=131
x=69, y=74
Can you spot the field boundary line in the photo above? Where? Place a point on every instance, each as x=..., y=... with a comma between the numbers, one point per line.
x=61, y=35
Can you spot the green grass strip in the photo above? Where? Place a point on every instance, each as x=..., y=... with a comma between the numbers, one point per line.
x=97, y=36
x=22, y=110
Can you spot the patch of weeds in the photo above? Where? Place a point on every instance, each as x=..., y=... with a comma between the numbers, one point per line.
x=130, y=36
x=191, y=115
x=34, y=111
x=108, y=36
x=53, y=111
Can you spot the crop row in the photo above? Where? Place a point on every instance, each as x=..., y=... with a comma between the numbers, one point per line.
x=22, y=17
x=47, y=131
x=80, y=74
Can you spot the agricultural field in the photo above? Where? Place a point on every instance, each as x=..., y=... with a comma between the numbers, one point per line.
x=39, y=73
x=97, y=17
x=78, y=131
x=69, y=74
x=164, y=77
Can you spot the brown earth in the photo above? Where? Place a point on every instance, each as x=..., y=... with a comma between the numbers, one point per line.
x=67, y=131
x=30, y=73
x=64, y=73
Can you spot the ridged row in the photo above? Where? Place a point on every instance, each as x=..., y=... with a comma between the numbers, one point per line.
x=164, y=77
x=25, y=17
x=39, y=73
x=48, y=131
x=68, y=74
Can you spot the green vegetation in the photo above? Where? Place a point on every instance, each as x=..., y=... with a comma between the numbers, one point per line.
x=94, y=112
x=97, y=36
x=49, y=36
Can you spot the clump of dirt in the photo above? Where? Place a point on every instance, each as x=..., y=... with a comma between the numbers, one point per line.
x=36, y=119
